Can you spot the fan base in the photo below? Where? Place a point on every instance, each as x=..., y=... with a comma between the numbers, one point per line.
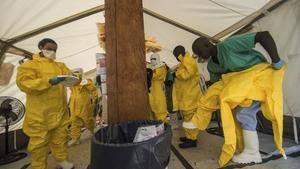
x=12, y=157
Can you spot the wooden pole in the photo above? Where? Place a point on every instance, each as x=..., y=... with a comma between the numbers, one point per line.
x=126, y=63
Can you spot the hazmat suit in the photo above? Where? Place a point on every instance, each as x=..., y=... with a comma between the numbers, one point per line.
x=46, y=117
x=259, y=83
x=157, y=97
x=234, y=54
x=82, y=101
x=187, y=91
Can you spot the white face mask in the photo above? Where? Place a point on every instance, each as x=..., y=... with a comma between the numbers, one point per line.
x=49, y=54
x=153, y=62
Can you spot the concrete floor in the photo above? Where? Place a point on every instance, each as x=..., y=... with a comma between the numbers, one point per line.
x=205, y=156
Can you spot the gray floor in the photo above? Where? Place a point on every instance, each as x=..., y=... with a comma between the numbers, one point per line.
x=205, y=156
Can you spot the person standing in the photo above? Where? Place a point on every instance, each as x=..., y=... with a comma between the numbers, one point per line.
x=46, y=117
x=82, y=102
x=187, y=92
x=157, y=97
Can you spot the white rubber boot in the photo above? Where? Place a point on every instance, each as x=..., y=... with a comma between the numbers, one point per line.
x=189, y=125
x=65, y=165
x=251, y=150
x=73, y=142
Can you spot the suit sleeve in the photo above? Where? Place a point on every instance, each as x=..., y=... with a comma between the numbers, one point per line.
x=28, y=81
x=187, y=69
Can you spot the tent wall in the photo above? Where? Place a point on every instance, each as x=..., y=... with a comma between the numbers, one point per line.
x=284, y=23
x=12, y=90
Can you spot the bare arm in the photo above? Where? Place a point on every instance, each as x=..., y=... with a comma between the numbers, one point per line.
x=267, y=41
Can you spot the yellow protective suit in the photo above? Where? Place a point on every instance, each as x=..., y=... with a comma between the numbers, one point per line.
x=261, y=83
x=188, y=91
x=174, y=100
x=46, y=109
x=157, y=97
x=82, y=102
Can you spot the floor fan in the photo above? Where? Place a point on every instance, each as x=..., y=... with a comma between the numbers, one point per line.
x=11, y=111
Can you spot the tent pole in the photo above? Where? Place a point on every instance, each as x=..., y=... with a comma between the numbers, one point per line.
x=3, y=48
x=9, y=48
x=126, y=64
x=295, y=130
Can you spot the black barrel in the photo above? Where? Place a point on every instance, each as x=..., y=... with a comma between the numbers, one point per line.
x=113, y=148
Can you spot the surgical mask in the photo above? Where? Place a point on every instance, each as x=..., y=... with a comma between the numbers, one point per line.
x=49, y=54
x=153, y=62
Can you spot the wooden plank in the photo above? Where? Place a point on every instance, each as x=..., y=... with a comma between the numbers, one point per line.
x=126, y=63
x=111, y=60
x=6, y=47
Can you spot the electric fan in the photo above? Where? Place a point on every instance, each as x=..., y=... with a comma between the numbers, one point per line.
x=11, y=111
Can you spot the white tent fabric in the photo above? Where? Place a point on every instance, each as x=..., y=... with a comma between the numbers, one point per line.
x=12, y=90
x=284, y=23
x=18, y=16
x=78, y=43
x=207, y=16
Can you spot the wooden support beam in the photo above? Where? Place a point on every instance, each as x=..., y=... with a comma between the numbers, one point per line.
x=126, y=62
x=18, y=51
x=3, y=49
x=177, y=24
x=6, y=47
x=56, y=24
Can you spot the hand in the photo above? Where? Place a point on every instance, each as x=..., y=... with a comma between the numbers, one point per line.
x=56, y=80
x=278, y=65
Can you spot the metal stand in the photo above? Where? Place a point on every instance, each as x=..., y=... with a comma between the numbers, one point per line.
x=9, y=157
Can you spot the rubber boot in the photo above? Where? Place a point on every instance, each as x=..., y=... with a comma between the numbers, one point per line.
x=188, y=144
x=73, y=142
x=251, y=151
x=65, y=165
x=183, y=139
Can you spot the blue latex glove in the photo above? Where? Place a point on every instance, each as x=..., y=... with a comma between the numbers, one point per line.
x=278, y=65
x=56, y=80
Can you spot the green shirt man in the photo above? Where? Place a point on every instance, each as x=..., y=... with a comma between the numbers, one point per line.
x=235, y=53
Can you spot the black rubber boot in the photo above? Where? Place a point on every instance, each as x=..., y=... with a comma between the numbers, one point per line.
x=188, y=144
x=183, y=139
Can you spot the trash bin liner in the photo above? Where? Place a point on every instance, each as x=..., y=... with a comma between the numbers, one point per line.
x=113, y=148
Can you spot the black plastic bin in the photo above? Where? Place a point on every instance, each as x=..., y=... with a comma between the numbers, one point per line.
x=113, y=148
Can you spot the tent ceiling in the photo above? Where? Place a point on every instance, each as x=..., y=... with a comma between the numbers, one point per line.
x=207, y=16
x=78, y=40
x=18, y=17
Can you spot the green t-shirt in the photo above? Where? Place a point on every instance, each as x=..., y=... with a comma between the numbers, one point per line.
x=235, y=53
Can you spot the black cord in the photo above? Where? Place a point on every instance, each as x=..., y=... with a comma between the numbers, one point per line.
x=183, y=161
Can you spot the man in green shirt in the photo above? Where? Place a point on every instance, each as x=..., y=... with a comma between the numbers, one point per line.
x=235, y=54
